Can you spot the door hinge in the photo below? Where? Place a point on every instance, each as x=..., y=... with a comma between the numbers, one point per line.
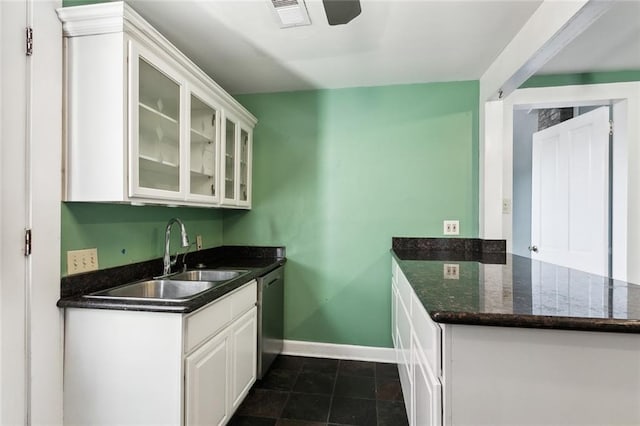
x=29, y=41
x=610, y=127
x=27, y=242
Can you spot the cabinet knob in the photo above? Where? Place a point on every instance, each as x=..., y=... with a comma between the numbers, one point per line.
x=533, y=249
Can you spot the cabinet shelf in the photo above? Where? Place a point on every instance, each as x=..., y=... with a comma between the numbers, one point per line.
x=202, y=175
x=200, y=138
x=155, y=164
x=157, y=113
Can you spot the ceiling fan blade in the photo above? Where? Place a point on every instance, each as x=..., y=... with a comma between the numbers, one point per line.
x=340, y=12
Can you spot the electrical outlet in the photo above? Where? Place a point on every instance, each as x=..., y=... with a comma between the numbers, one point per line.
x=82, y=260
x=198, y=242
x=506, y=206
x=451, y=227
x=451, y=271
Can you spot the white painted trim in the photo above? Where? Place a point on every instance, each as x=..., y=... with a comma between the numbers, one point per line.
x=551, y=27
x=337, y=351
x=102, y=18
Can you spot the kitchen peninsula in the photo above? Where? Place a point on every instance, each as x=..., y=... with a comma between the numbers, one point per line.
x=485, y=337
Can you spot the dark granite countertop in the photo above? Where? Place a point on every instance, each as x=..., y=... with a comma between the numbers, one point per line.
x=513, y=291
x=258, y=260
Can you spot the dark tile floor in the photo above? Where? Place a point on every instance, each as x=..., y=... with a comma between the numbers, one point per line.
x=299, y=391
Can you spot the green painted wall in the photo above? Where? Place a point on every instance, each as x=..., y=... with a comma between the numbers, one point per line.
x=336, y=174
x=126, y=234
x=584, y=78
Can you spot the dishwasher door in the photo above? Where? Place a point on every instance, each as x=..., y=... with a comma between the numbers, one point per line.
x=270, y=318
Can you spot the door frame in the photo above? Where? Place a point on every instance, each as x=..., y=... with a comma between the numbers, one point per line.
x=625, y=101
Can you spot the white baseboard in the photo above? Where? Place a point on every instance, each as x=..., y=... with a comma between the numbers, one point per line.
x=332, y=350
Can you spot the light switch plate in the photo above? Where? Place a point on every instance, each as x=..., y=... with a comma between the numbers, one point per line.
x=506, y=206
x=451, y=271
x=451, y=227
x=82, y=261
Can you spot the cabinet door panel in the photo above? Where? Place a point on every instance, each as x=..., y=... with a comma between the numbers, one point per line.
x=203, y=148
x=394, y=315
x=155, y=126
x=229, y=157
x=207, y=380
x=244, y=168
x=244, y=332
x=427, y=393
x=404, y=356
x=428, y=335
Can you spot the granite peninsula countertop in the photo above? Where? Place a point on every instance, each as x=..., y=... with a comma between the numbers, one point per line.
x=500, y=289
x=258, y=260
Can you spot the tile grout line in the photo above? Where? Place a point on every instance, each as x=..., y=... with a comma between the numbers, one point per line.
x=333, y=391
x=289, y=392
x=375, y=388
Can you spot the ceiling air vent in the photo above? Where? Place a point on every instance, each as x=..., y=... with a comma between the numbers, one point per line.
x=291, y=13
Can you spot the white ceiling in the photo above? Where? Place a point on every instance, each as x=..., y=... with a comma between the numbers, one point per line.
x=239, y=42
x=612, y=43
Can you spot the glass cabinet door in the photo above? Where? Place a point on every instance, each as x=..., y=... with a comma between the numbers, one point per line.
x=229, y=160
x=203, y=149
x=244, y=179
x=158, y=130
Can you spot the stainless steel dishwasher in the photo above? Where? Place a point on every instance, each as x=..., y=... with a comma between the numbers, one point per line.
x=270, y=318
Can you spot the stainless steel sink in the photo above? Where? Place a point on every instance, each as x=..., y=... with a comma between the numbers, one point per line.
x=209, y=275
x=167, y=290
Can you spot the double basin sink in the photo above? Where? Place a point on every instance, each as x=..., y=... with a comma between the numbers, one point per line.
x=177, y=287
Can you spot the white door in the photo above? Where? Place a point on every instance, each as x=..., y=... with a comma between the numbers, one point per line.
x=30, y=181
x=13, y=267
x=570, y=193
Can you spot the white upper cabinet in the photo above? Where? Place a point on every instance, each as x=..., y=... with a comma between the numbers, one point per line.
x=143, y=123
x=236, y=163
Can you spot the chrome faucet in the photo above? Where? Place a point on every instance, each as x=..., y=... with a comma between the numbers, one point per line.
x=184, y=242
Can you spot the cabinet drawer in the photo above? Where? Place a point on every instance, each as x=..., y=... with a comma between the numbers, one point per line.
x=404, y=290
x=428, y=335
x=244, y=299
x=404, y=334
x=209, y=320
x=394, y=271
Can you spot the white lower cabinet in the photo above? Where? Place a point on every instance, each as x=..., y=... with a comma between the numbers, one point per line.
x=427, y=393
x=454, y=374
x=134, y=367
x=243, y=362
x=206, y=372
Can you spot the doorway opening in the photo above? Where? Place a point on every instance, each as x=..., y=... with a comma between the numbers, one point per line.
x=562, y=173
x=624, y=101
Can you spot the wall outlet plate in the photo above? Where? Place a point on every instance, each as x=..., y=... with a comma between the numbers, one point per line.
x=506, y=206
x=198, y=242
x=451, y=227
x=82, y=261
x=451, y=271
